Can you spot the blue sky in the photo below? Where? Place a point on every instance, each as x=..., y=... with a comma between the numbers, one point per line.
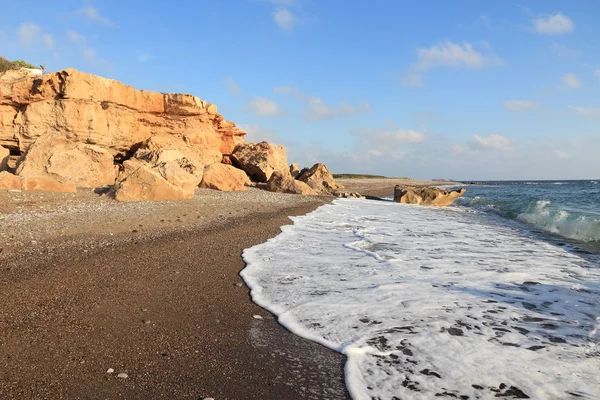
x=426, y=89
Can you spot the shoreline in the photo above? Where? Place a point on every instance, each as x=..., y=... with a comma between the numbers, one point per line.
x=166, y=307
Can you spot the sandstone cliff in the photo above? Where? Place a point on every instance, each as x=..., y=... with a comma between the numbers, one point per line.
x=94, y=110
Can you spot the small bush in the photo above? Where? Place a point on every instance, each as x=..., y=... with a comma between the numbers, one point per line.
x=5, y=64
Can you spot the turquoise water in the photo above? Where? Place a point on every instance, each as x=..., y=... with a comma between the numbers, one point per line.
x=569, y=209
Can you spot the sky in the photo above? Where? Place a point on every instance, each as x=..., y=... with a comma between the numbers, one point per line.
x=469, y=90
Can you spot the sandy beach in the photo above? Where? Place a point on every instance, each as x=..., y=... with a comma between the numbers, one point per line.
x=150, y=290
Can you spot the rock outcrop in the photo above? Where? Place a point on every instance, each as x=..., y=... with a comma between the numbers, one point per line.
x=348, y=195
x=260, y=160
x=225, y=178
x=59, y=159
x=9, y=181
x=427, y=196
x=94, y=110
x=285, y=183
x=167, y=175
x=4, y=158
x=295, y=170
x=320, y=179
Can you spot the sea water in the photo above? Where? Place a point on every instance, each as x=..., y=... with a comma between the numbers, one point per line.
x=470, y=301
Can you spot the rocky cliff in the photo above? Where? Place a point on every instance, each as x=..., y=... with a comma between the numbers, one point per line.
x=98, y=111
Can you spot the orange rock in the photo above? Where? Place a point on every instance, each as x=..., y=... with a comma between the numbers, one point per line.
x=171, y=180
x=95, y=110
x=198, y=154
x=295, y=170
x=47, y=184
x=4, y=158
x=285, y=183
x=260, y=160
x=59, y=159
x=225, y=178
x=9, y=181
x=320, y=179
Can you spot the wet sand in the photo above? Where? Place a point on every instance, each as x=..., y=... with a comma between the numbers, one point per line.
x=165, y=306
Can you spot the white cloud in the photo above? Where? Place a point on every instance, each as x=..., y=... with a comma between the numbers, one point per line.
x=386, y=138
x=93, y=14
x=75, y=37
x=284, y=19
x=48, y=41
x=452, y=55
x=280, y=2
x=521, y=105
x=232, y=87
x=561, y=154
x=28, y=33
x=316, y=109
x=563, y=51
x=587, y=111
x=412, y=80
x=553, y=24
x=491, y=142
x=571, y=81
x=263, y=107
x=88, y=53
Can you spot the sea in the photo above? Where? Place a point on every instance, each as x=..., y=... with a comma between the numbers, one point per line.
x=496, y=296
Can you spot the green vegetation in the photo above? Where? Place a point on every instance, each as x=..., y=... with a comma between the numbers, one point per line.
x=5, y=64
x=357, y=176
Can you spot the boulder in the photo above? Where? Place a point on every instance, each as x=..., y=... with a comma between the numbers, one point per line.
x=260, y=160
x=348, y=195
x=91, y=109
x=4, y=158
x=174, y=179
x=9, y=181
x=295, y=170
x=224, y=177
x=427, y=196
x=285, y=183
x=59, y=159
x=320, y=179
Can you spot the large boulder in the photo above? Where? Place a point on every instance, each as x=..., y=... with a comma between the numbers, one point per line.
x=320, y=179
x=59, y=159
x=427, y=196
x=170, y=179
x=295, y=170
x=260, y=160
x=285, y=183
x=224, y=177
x=4, y=158
x=9, y=181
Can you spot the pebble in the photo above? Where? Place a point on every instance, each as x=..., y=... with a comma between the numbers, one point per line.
x=123, y=375
x=110, y=371
x=257, y=317
x=146, y=321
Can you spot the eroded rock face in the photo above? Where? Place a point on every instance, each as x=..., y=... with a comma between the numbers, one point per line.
x=320, y=179
x=94, y=110
x=175, y=179
x=260, y=160
x=59, y=159
x=427, y=196
x=285, y=183
x=225, y=178
x=295, y=170
x=4, y=158
x=199, y=155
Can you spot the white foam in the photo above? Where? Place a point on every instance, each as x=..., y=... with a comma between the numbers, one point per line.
x=428, y=301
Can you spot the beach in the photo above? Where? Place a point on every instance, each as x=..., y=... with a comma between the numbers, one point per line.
x=150, y=290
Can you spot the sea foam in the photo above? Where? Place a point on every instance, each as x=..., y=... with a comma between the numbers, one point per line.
x=430, y=302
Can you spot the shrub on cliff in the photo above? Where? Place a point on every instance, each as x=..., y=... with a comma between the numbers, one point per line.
x=5, y=64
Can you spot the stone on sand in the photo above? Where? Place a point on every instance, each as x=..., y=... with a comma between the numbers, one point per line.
x=260, y=160
x=320, y=179
x=285, y=183
x=224, y=177
x=427, y=196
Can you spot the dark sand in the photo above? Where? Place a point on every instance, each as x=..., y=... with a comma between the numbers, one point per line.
x=164, y=309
